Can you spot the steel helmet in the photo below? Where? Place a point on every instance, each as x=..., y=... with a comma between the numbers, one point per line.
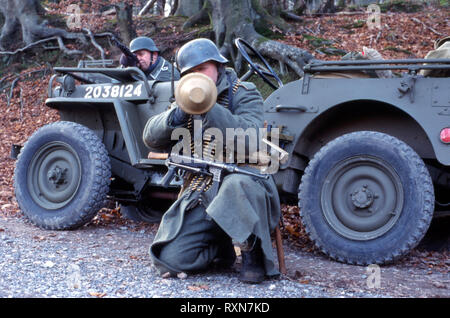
x=143, y=43
x=440, y=42
x=196, y=52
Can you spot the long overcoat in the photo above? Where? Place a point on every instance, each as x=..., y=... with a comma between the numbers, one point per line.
x=242, y=206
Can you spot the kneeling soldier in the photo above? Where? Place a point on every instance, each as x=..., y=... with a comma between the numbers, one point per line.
x=199, y=229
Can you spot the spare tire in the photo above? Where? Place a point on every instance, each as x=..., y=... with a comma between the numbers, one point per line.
x=366, y=198
x=62, y=176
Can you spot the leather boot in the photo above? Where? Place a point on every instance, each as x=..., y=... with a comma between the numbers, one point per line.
x=252, y=270
x=226, y=256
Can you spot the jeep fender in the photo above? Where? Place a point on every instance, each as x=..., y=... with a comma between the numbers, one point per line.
x=327, y=108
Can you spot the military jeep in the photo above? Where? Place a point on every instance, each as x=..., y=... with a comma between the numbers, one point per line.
x=369, y=158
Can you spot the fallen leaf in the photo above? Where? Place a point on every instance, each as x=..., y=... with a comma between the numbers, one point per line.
x=198, y=287
x=182, y=275
x=97, y=294
x=166, y=275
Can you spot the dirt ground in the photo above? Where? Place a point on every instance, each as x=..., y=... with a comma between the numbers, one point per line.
x=423, y=273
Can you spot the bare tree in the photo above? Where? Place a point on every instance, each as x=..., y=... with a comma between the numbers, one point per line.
x=23, y=16
x=189, y=8
x=174, y=7
x=124, y=11
x=241, y=18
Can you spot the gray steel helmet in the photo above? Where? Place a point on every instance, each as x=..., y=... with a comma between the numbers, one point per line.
x=196, y=52
x=143, y=43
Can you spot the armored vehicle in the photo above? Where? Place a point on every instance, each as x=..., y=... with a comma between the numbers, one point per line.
x=369, y=158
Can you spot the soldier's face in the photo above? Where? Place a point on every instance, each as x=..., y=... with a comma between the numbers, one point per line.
x=209, y=69
x=144, y=57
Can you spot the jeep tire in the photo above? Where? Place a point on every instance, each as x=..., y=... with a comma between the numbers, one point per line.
x=366, y=198
x=62, y=176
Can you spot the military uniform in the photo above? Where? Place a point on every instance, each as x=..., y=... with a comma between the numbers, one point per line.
x=162, y=71
x=199, y=227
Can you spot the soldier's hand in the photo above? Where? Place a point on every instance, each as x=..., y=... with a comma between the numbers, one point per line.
x=179, y=117
x=126, y=61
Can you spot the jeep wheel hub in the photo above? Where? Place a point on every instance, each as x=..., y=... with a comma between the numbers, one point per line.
x=361, y=197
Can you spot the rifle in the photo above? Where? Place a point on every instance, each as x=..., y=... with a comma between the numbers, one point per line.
x=125, y=50
x=209, y=168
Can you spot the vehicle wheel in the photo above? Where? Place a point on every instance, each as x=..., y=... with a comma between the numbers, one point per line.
x=62, y=176
x=366, y=198
x=141, y=213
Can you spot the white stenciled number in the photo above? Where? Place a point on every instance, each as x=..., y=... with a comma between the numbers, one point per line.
x=97, y=91
x=138, y=90
x=128, y=90
x=115, y=91
x=88, y=92
x=107, y=91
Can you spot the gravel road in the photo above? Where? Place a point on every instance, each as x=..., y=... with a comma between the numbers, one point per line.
x=110, y=259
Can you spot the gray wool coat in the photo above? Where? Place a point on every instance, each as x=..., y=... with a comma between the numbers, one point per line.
x=242, y=206
x=163, y=71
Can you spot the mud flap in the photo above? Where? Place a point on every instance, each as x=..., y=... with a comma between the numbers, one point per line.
x=15, y=150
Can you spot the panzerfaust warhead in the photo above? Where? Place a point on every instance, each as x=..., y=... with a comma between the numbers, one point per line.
x=196, y=93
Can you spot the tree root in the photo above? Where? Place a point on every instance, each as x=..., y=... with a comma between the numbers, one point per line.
x=427, y=27
x=94, y=43
x=59, y=39
x=291, y=56
x=14, y=82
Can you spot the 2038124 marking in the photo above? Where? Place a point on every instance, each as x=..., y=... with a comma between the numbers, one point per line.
x=113, y=91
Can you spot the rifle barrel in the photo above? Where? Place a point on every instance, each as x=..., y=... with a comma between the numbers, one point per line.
x=226, y=166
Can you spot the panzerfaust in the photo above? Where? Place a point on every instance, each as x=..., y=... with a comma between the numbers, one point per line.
x=196, y=93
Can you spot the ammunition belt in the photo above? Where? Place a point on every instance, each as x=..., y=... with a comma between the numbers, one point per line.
x=201, y=183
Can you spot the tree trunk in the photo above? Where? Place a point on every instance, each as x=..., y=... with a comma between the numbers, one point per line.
x=189, y=8
x=160, y=5
x=201, y=17
x=174, y=7
x=327, y=6
x=124, y=13
x=24, y=16
x=320, y=6
x=238, y=18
